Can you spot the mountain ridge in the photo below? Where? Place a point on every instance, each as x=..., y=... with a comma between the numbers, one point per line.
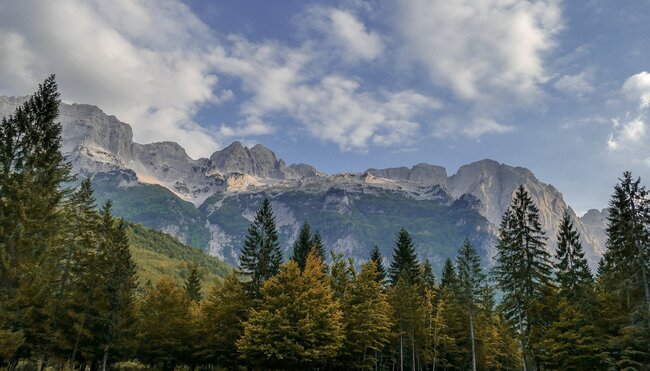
x=97, y=143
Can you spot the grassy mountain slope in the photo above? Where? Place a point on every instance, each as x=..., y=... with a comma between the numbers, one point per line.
x=159, y=255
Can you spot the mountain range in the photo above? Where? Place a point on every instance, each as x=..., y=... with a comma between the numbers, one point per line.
x=209, y=202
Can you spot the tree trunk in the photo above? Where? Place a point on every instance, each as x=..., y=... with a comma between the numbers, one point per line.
x=105, y=358
x=471, y=333
x=523, y=342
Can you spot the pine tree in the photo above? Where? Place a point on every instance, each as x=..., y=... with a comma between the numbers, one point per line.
x=222, y=322
x=523, y=273
x=302, y=246
x=298, y=322
x=470, y=282
x=261, y=256
x=404, y=259
x=375, y=256
x=367, y=320
x=193, y=285
x=571, y=269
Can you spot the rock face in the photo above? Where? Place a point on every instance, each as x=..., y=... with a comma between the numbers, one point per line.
x=420, y=173
x=209, y=202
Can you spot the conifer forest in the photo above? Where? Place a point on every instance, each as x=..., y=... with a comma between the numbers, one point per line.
x=70, y=297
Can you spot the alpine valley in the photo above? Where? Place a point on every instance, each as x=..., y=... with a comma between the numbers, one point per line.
x=209, y=202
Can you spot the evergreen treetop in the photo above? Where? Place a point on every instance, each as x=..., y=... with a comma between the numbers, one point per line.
x=571, y=269
x=261, y=256
x=404, y=259
x=375, y=256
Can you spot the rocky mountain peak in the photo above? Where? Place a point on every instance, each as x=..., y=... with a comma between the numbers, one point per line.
x=420, y=173
x=257, y=161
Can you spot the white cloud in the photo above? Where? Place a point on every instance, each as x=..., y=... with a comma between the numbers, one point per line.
x=480, y=48
x=143, y=60
x=637, y=87
x=626, y=135
x=331, y=107
x=577, y=85
x=345, y=33
x=480, y=127
x=253, y=127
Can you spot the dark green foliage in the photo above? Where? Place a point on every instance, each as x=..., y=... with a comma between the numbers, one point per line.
x=302, y=246
x=193, y=285
x=317, y=244
x=523, y=273
x=428, y=278
x=573, y=276
x=448, y=277
x=624, y=292
x=261, y=256
x=375, y=256
x=470, y=284
x=404, y=259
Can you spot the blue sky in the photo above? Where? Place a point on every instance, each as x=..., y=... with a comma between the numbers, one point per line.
x=559, y=87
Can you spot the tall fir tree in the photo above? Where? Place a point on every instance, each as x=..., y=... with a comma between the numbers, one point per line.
x=119, y=282
x=302, y=246
x=317, y=244
x=32, y=168
x=193, y=285
x=572, y=272
x=404, y=259
x=470, y=283
x=623, y=290
x=448, y=276
x=375, y=255
x=261, y=256
x=523, y=273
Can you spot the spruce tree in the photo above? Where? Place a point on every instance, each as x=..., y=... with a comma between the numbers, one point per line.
x=523, y=273
x=448, y=277
x=628, y=240
x=32, y=168
x=317, y=244
x=428, y=278
x=302, y=246
x=261, y=256
x=623, y=275
x=375, y=256
x=119, y=282
x=571, y=269
x=470, y=283
x=404, y=259
x=193, y=285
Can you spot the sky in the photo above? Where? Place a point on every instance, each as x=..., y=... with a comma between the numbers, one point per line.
x=559, y=87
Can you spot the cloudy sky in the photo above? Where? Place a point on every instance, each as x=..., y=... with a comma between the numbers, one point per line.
x=559, y=87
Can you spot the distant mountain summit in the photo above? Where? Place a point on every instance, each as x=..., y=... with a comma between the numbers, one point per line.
x=209, y=202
